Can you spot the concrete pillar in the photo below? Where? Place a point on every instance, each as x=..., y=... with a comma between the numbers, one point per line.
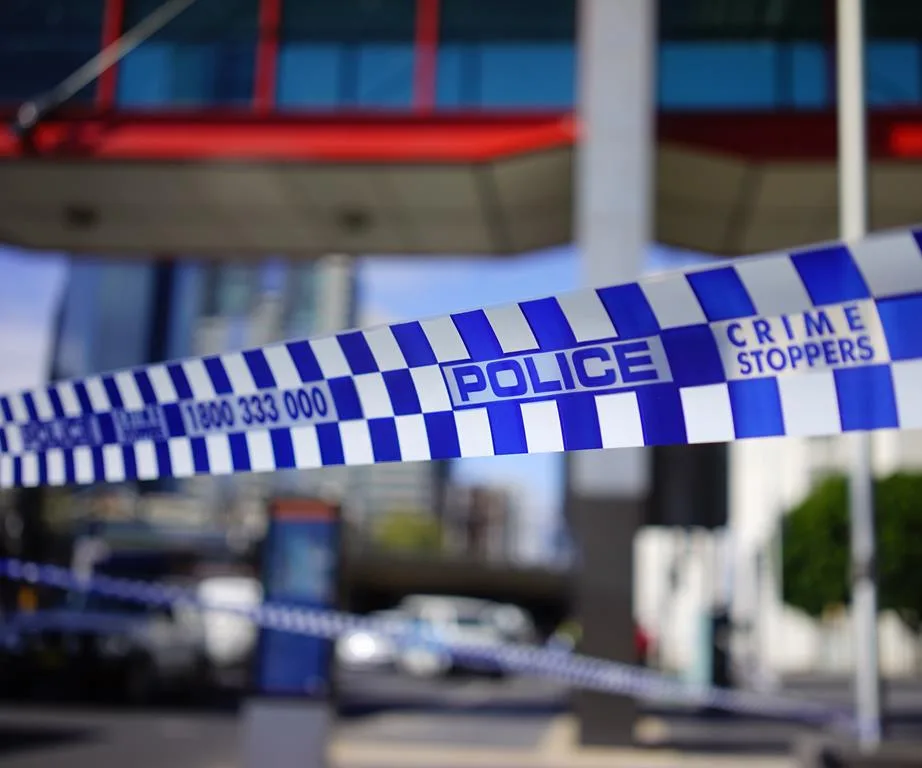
x=607, y=490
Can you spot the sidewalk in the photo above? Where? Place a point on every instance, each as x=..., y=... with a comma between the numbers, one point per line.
x=555, y=747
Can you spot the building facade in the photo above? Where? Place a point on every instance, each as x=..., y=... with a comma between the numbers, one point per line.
x=361, y=54
x=112, y=312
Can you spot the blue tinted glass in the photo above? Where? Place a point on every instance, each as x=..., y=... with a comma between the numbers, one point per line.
x=528, y=75
x=188, y=295
x=810, y=78
x=507, y=75
x=385, y=75
x=893, y=76
x=718, y=75
x=517, y=54
x=450, y=91
x=44, y=41
x=206, y=56
x=310, y=75
x=124, y=314
x=301, y=302
x=348, y=53
x=77, y=308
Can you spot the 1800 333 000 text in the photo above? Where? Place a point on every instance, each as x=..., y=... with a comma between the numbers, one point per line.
x=310, y=404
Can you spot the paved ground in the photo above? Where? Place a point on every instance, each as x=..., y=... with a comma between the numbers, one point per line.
x=60, y=738
x=362, y=693
x=460, y=723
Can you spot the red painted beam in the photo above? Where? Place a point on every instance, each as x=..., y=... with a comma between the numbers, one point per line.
x=267, y=55
x=247, y=138
x=112, y=27
x=906, y=140
x=437, y=137
x=786, y=136
x=425, y=55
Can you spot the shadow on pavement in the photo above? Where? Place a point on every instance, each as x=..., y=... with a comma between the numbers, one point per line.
x=22, y=738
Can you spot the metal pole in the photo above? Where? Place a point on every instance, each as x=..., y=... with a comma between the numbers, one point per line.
x=30, y=113
x=853, y=216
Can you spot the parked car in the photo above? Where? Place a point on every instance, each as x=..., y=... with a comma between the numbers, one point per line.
x=229, y=638
x=363, y=650
x=426, y=627
x=98, y=645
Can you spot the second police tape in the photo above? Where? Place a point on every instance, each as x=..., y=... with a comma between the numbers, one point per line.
x=570, y=668
x=818, y=341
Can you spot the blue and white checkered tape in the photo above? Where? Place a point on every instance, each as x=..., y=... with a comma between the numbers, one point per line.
x=817, y=341
x=574, y=669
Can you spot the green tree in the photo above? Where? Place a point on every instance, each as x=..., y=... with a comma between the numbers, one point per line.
x=408, y=531
x=816, y=548
x=898, y=502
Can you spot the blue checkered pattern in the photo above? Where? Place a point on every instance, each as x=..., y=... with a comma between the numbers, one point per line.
x=573, y=669
x=384, y=394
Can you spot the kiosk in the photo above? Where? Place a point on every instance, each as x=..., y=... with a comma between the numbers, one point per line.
x=288, y=717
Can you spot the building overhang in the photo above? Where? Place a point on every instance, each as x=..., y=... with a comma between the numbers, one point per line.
x=235, y=184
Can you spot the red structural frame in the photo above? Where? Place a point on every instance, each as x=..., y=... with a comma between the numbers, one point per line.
x=112, y=23
x=267, y=53
x=421, y=135
x=425, y=67
x=249, y=137
x=432, y=137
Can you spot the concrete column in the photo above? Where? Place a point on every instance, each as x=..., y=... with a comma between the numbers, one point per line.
x=607, y=490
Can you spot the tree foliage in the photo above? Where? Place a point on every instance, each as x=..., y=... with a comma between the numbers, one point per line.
x=408, y=531
x=816, y=548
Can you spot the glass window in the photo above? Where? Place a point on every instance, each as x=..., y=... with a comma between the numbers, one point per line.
x=301, y=300
x=893, y=73
x=187, y=301
x=125, y=292
x=204, y=57
x=348, y=21
x=508, y=21
x=384, y=75
x=810, y=76
x=743, y=19
x=517, y=54
x=541, y=75
x=767, y=75
x=356, y=53
x=231, y=290
x=893, y=19
x=44, y=41
x=718, y=75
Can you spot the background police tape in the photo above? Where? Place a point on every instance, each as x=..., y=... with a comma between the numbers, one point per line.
x=814, y=342
x=573, y=669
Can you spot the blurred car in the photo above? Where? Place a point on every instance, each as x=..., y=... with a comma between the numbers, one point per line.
x=229, y=637
x=444, y=622
x=425, y=628
x=362, y=649
x=101, y=646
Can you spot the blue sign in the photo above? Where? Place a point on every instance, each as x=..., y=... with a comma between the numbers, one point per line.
x=300, y=565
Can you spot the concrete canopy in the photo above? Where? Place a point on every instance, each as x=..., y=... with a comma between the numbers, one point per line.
x=226, y=185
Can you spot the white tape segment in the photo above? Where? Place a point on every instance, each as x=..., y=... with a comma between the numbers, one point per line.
x=818, y=341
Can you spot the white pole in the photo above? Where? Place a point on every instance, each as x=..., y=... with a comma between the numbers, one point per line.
x=853, y=215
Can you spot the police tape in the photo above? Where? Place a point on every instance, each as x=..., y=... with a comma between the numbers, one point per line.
x=817, y=341
x=572, y=669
